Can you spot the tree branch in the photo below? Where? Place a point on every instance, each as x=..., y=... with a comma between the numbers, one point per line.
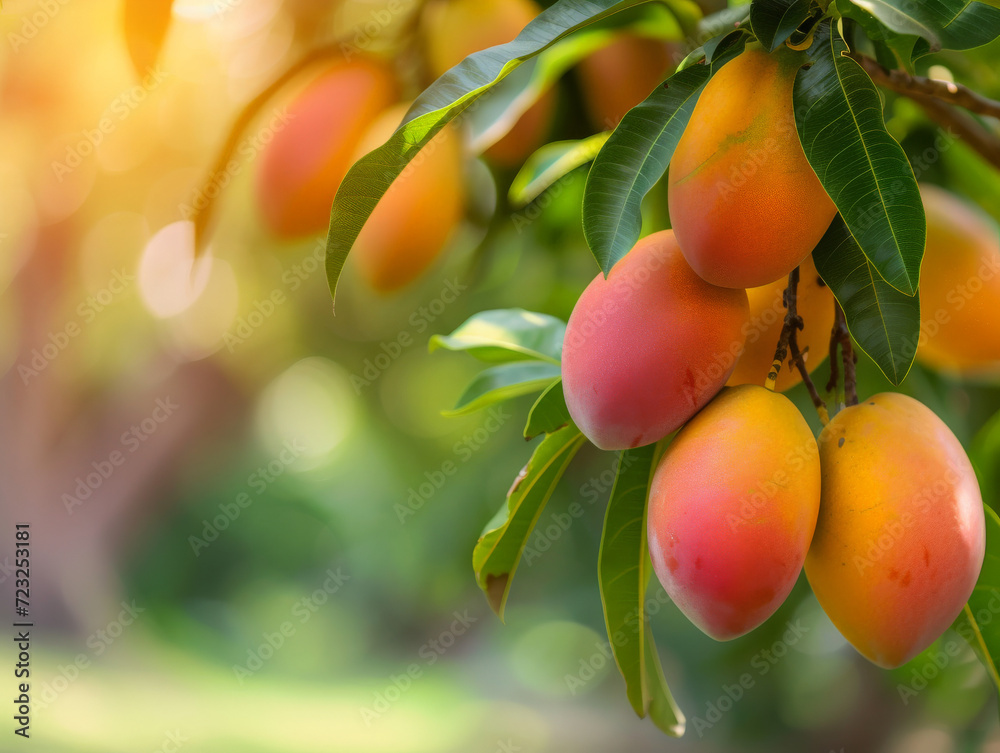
x=907, y=84
x=842, y=337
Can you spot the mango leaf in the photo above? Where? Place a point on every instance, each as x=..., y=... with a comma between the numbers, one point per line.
x=551, y=163
x=978, y=622
x=838, y=114
x=504, y=382
x=773, y=21
x=145, y=25
x=959, y=24
x=549, y=413
x=722, y=22
x=499, y=549
x=984, y=452
x=636, y=156
x=623, y=574
x=902, y=17
x=502, y=335
x=884, y=322
x=450, y=97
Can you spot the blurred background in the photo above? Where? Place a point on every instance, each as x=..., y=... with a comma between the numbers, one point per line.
x=251, y=525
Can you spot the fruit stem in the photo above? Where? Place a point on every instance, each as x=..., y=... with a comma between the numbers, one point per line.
x=840, y=335
x=788, y=342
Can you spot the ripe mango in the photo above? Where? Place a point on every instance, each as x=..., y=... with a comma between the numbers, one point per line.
x=619, y=76
x=649, y=346
x=959, y=286
x=454, y=29
x=732, y=510
x=901, y=533
x=304, y=164
x=415, y=218
x=745, y=204
x=814, y=303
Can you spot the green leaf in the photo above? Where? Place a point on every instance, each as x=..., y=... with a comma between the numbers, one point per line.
x=722, y=22
x=959, y=24
x=551, y=163
x=838, y=113
x=773, y=21
x=884, y=322
x=984, y=452
x=502, y=335
x=635, y=158
x=623, y=574
x=902, y=17
x=504, y=382
x=549, y=413
x=499, y=549
x=984, y=634
x=450, y=97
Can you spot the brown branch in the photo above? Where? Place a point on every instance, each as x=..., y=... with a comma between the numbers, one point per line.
x=937, y=98
x=788, y=343
x=202, y=218
x=907, y=84
x=842, y=337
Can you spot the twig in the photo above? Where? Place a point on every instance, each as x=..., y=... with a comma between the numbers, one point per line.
x=842, y=337
x=789, y=342
x=203, y=217
x=936, y=98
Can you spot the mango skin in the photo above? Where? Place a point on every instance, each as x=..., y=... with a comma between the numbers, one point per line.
x=901, y=533
x=746, y=206
x=415, y=218
x=648, y=347
x=619, y=76
x=959, y=287
x=814, y=303
x=304, y=164
x=732, y=510
x=454, y=29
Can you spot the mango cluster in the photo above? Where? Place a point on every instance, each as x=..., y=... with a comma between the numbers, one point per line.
x=883, y=512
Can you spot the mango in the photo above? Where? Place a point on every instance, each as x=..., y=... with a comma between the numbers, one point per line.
x=649, y=346
x=454, y=29
x=744, y=202
x=901, y=533
x=616, y=78
x=304, y=164
x=959, y=287
x=732, y=509
x=814, y=303
x=416, y=217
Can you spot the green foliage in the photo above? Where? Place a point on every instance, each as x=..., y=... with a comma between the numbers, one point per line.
x=985, y=456
x=499, y=549
x=549, y=413
x=838, y=114
x=551, y=163
x=884, y=322
x=774, y=21
x=504, y=382
x=503, y=335
x=624, y=571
